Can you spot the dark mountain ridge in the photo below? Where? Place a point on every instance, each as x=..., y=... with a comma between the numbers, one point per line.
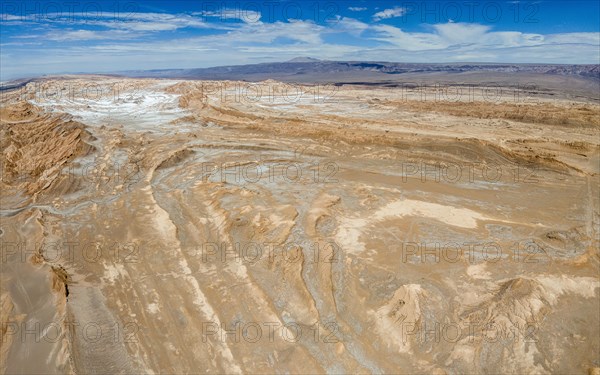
x=296, y=68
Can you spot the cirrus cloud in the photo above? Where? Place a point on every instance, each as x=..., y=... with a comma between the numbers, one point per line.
x=160, y=40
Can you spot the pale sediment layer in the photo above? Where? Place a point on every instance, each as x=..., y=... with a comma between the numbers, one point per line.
x=194, y=227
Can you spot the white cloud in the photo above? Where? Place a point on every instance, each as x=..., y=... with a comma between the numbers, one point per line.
x=583, y=38
x=389, y=13
x=350, y=25
x=149, y=22
x=10, y=17
x=407, y=41
x=248, y=16
x=468, y=36
x=357, y=9
x=265, y=33
x=83, y=35
x=122, y=44
x=457, y=33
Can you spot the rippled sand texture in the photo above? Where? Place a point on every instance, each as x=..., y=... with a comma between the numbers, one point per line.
x=199, y=227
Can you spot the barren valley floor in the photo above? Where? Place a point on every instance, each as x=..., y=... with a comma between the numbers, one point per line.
x=157, y=226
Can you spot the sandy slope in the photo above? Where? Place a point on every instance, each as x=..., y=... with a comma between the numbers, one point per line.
x=341, y=230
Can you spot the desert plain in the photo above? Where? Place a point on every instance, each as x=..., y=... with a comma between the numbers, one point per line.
x=179, y=226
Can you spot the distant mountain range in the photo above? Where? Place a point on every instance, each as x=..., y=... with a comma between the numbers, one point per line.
x=306, y=69
x=571, y=81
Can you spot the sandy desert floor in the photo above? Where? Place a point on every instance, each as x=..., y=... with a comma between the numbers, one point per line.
x=153, y=226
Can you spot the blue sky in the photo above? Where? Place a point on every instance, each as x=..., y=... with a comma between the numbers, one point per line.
x=45, y=37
